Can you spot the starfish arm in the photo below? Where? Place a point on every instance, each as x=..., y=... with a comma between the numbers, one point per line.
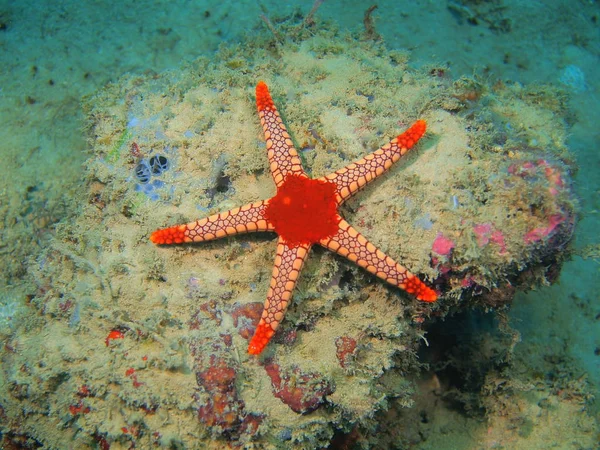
x=245, y=219
x=283, y=157
x=353, y=177
x=288, y=263
x=351, y=244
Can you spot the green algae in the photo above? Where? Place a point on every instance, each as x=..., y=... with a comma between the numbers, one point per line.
x=115, y=152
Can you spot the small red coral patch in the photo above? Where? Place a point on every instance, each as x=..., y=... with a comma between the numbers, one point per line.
x=345, y=350
x=303, y=392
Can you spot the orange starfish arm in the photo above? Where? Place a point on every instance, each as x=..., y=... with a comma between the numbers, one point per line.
x=288, y=263
x=245, y=219
x=354, y=176
x=283, y=157
x=351, y=244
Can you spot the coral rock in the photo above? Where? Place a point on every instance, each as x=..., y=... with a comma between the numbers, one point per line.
x=345, y=350
x=302, y=392
x=245, y=317
x=223, y=407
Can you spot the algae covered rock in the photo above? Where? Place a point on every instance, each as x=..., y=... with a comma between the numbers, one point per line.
x=147, y=346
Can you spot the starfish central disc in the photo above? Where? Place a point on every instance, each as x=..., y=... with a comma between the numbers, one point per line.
x=304, y=211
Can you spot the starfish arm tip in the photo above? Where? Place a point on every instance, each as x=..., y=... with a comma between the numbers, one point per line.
x=427, y=295
x=411, y=136
x=263, y=97
x=261, y=338
x=156, y=237
x=171, y=235
x=420, y=290
x=254, y=349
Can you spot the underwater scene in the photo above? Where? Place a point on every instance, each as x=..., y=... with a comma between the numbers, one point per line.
x=299, y=225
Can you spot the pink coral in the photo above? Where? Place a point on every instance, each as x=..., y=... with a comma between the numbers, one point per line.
x=529, y=169
x=442, y=245
x=483, y=232
x=498, y=238
x=541, y=232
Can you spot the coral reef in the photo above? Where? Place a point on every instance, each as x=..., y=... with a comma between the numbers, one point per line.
x=144, y=346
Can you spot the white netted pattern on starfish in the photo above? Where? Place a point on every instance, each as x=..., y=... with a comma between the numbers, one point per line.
x=354, y=176
x=283, y=157
x=351, y=244
x=288, y=263
x=245, y=219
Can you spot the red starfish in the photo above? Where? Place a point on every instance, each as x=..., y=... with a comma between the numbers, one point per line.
x=303, y=213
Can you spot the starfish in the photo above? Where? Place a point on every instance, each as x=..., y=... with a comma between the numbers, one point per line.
x=304, y=212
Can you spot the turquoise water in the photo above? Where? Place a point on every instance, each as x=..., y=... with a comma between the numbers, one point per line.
x=55, y=53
